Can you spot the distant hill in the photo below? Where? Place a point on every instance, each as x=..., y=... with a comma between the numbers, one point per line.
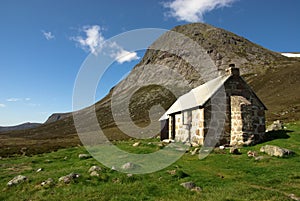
x=19, y=127
x=274, y=77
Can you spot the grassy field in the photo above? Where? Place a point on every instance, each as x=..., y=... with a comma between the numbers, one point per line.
x=221, y=176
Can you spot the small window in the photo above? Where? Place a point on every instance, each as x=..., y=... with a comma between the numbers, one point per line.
x=187, y=117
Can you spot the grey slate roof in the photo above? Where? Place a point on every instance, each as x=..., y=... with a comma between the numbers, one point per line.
x=197, y=96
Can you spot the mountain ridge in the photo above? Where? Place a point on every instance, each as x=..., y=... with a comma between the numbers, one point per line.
x=275, y=79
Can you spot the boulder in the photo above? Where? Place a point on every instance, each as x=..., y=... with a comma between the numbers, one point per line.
x=94, y=168
x=275, y=126
x=68, y=178
x=17, y=180
x=191, y=186
x=276, y=151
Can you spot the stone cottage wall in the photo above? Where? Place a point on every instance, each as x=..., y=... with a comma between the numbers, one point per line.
x=196, y=129
x=241, y=123
x=247, y=113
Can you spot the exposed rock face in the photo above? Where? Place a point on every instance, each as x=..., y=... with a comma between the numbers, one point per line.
x=57, y=116
x=276, y=151
x=17, y=180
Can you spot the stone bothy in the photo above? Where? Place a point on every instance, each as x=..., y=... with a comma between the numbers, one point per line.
x=223, y=111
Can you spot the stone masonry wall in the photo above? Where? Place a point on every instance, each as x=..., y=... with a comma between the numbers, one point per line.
x=196, y=129
x=237, y=120
x=247, y=113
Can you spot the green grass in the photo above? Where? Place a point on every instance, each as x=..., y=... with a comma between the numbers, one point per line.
x=221, y=176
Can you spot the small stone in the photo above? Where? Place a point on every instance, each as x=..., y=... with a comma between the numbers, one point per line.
x=84, y=156
x=17, y=180
x=136, y=144
x=221, y=147
x=94, y=174
x=168, y=141
x=235, y=151
x=129, y=166
x=259, y=158
x=48, y=182
x=95, y=168
x=195, y=144
x=197, y=189
x=39, y=170
x=68, y=178
x=129, y=175
x=252, y=154
x=188, y=185
x=195, y=151
x=114, y=168
x=293, y=197
x=172, y=172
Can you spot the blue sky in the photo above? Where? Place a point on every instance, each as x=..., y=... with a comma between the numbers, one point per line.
x=44, y=43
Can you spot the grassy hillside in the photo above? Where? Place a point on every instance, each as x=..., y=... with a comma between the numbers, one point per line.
x=221, y=176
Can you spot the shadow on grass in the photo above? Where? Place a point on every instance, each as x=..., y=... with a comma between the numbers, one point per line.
x=279, y=134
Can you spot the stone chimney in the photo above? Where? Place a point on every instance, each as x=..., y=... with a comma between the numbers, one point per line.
x=232, y=70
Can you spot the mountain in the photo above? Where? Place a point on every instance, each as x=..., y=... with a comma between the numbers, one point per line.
x=24, y=126
x=57, y=116
x=176, y=62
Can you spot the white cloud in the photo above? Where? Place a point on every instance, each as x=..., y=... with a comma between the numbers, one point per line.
x=193, y=10
x=126, y=56
x=17, y=99
x=48, y=35
x=121, y=55
x=13, y=99
x=2, y=105
x=94, y=42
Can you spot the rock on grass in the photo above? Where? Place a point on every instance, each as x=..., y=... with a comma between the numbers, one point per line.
x=68, y=178
x=191, y=186
x=17, y=180
x=276, y=151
